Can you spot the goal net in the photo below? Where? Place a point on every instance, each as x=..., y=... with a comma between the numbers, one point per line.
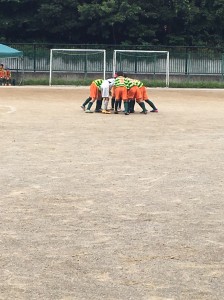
x=151, y=65
x=70, y=65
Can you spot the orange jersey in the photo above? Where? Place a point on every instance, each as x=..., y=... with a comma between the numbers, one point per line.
x=2, y=73
x=7, y=74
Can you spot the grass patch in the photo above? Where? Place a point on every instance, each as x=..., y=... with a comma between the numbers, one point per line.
x=187, y=84
x=153, y=83
x=198, y=84
x=35, y=82
x=85, y=82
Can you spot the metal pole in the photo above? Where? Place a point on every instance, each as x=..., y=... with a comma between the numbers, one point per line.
x=51, y=55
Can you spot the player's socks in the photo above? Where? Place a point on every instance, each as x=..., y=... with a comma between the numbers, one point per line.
x=98, y=105
x=119, y=103
x=142, y=105
x=116, y=105
x=151, y=104
x=131, y=106
x=87, y=101
x=105, y=104
x=112, y=102
x=126, y=108
x=89, y=105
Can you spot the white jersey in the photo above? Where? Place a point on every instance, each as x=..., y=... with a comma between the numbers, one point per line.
x=106, y=86
x=111, y=82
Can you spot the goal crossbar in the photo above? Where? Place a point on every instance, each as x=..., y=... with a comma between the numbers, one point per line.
x=76, y=50
x=143, y=51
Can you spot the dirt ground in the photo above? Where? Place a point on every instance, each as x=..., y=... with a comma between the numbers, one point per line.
x=111, y=207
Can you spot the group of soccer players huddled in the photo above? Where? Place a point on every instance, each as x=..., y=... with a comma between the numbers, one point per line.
x=120, y=88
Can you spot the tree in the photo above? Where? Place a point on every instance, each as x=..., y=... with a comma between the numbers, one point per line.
x=139, y=22
x=17, y=19
x=59, y=21
x=110, y=21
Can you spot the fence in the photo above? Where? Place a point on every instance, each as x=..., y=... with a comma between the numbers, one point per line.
x=183, y=60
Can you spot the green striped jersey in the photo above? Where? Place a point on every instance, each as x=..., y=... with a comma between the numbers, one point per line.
x=138, y=83
x=120, y=81
x=98, y=82
x=130, y=82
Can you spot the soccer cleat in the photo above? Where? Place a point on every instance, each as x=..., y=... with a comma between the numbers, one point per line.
x=144, y=112
x=154, y=111
x=88, y=111
x=104, y=111
x=126, y=113
x=116, y=112
x=98, y=110
x=83, y=107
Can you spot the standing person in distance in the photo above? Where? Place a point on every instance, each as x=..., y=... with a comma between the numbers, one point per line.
x=2, y=75
x=7, y=76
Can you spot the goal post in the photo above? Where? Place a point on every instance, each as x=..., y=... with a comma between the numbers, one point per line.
x=142, y=62
x=81, y=64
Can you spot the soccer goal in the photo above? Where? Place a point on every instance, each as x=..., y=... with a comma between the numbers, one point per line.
x=69, y=65
x=143, y=64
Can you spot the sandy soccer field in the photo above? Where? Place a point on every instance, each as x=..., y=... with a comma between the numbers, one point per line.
x=111, y=207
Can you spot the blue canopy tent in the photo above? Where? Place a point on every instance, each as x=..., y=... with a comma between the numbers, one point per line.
x=12, y=57
x=6, y=51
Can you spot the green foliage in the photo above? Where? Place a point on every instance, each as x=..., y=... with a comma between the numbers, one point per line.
x=127, y=22
x=35, y=82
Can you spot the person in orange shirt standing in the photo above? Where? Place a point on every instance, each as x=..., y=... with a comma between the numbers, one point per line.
x=7, y=76
x=2, y=75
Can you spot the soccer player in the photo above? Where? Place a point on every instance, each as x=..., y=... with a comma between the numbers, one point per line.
x=145, y=96
x=134, y=93
x=106, y=87
x=113, y=100
x=95, y=94
x=121, y=92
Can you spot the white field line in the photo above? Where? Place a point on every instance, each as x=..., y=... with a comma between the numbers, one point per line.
x=11, y=109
